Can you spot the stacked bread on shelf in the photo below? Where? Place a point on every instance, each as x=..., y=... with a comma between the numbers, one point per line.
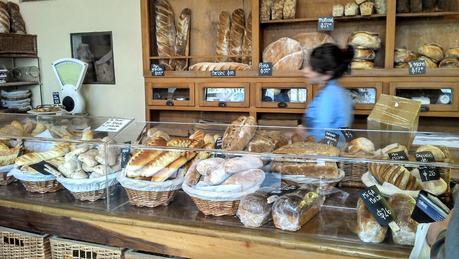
x=365, y=44
x=11, y=20
x=362, y=7
x=277, y=9
x=416, y=6
x=433, y=54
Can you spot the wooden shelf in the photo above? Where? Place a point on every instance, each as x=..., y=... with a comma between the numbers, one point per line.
x=199, y=57
x=427, y=14
x=10, y=84
x=343, y=18
x=17, y=56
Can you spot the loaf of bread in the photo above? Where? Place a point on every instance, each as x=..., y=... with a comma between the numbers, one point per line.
x=364, y=39
x=396, y=175
x=209, y=66
x=403, y=206
x=182, y=41
x=237, y=34
x=436, y=187
x=4, y=18
x=430, y=63
x=367, y=8
x=404, y=56
x=440, y=153
x=449, y=63
x=265, y=10
x=244, y=163
x=380, y=6
x=368, y=229
x=143, y=157
x=364, y=54
x=361, y=146
x=452, y=53
x=239, y=133
x=16, y=21
x=308, y=148
x=223, y=37
x=309, y=41
x=8, y=155
x=36, y=157
x=338, y=10
x=291, y=62
x=289, y=10
x=362, y=64
x=254, y=210
x=392, y=148
x=432, y=51
x=277, y=9
x=169, y=170
x=247, y=42
x=205, y=167
x=246, y=179
x=267, y=141
x=165, y=32
x=351, y=9
x=279, y=49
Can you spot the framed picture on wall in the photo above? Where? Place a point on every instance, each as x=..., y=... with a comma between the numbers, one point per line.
x=96, y=49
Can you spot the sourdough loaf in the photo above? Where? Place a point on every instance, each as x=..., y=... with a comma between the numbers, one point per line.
x=291, y=62
x=279, y=49
x=432, y=51
x=239, y=133
x=364, y=39
x=403, y=206
x=368, y=229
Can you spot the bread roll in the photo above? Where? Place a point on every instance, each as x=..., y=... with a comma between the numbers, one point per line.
x=237, y=33
x=364, y=54
x=361, y=146
x=364, y=39
x=367, y=8
x=165, y=32
x=449, y=62
x=254, y=210
x=338, y=10
x=239, y=133
x=209, y=66
x=223, y=37
x=277, y=9
x=368, y=228
x=247, y=42
x=429, y=62
x=404, y=56
x=291, y=62
x=289, y=10
x=182, y=39
x=452, y=53
x=265, y=10
x=311, y=40
x=4, y=18
x=16, y=21
x=279, y=49
x=432, y=51
x=351, y=9
x=403, y=206
x=362, y=64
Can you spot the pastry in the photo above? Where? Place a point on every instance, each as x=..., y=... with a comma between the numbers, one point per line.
x=364, y=54
x=291, y=62
x=246, y=179
x=403, y=6
x=254, y=210
x=338, y=10
x=279, y=49
x=237, y=34
x=416, y=6
x=351, y=9
x=277, y=9
x=247, y=42
x=16, y=21
x=209, y=66
x=432, y=51
x=4, y=18
x=182, y=39
x=165, y=32
x=265, y=10
x=244, y=163
x=311, y=40
x=396, y=175
x=362, y=146
x=364, y=39
x=429, y=62
x=403, y=206
x=368, y=229
x=449, y=62
x=289, y=10
x=452, y=53
x=362, y=64
x=239, y=133
x=223, y=37
x=367, y=8
x=404, y=56
x=436, y=187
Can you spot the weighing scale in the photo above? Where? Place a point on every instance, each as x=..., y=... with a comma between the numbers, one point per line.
x=70, y=74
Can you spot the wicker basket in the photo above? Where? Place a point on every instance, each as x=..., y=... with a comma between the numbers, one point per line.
x=149, y=199
x=18, y=44
x=89, y=196
x=42, y=187
x=65, y=248
x=5, y=179
x=133, y=254
x=19, y=244
x=353, y=171
x=216, y=208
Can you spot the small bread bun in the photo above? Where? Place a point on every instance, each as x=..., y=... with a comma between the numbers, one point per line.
x=361, y=145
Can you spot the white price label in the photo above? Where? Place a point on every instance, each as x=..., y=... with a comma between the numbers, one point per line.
x=113, y=125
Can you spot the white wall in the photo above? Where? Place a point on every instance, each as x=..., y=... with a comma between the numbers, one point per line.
x=54, y=20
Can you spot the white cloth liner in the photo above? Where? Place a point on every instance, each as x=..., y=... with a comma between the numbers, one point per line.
x=149, y=186
x=421, y=249
x=88, y=185
x=29, y=177
x=386, y=188
x=6, y=168
x=219, y=196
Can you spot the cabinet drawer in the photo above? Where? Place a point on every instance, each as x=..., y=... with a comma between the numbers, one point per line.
x=283, y=95
x=223, y=94
x=170, y=94
x=434, y=96
x=364, y=94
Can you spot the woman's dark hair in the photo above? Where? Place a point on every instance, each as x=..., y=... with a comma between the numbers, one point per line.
x=328, y=58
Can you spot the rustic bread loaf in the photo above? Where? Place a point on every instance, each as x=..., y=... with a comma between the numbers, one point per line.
x=368, y=229
x=291, y=211
x=367, y=8
x=430, y=63
x=223, y=37
x=16, y=21
x=452, y=53
x=351, y=9
x=435, y=187
x=265, y=10
x=289, y=10
x=365, y=39
x=396, y=175
x=254, y=210
x=364, y=54
x=449, y=62
x=4, y=18
x=277, y=9
x=338, y=10
x=404, y=56
x=237, y=33
x=432, y=51
x=403, y=206
x=247, y=42
x=165, y=32
x=360, y=146
x=182, y=41
x=239, y=133
x=279, y=49
x=291, y=62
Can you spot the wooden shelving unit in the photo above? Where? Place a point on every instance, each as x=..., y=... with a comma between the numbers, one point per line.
x=341, y=18
x=15, y=84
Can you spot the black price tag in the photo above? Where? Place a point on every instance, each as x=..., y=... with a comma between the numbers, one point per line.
x=265, y=69
x=219, y=145
x=222, y=73
x=326, y=23
x=40, y=167
x=417, y=67
x=157, y=70
x=399, y=156
x=348, y=135
x=425, y=157
x=56, y=98
x=331, y=138
x=125, y=156
x=377, y=205
x=428, y=173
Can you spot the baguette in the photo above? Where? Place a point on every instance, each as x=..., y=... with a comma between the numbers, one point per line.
x=166, y=172
x=143, y=157
x=165, y=32
x=247, y=42
x=36, y=157
x=223, y=37
x=182, y=40
x=237, y=34
x=210, y=66
x=160, y=162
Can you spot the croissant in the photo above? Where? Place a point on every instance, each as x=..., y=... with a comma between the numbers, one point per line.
x=396, y=175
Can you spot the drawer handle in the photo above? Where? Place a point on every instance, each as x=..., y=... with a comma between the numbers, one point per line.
x=425, y=108
x=222, y=104
x=170, y=103
x=282, y=105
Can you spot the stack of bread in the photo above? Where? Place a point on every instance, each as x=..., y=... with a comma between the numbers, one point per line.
x=277, y=9
x=433, y=54
x=365, y=44
x=362, y=7
x=403, y=56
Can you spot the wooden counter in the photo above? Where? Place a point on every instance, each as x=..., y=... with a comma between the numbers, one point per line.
x=181, y=230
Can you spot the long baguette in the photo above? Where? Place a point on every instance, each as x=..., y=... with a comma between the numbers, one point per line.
x=247, y=43
x=160, y=162
x=166, y=172
x=237, y=33
x=143, y=157
x=182, y=41
x=223, y=37
x=36, y=157
x=165, y=32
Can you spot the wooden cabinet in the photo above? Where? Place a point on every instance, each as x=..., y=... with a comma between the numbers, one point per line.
x=170, y=94
x=364, y=94
x=282, y=95
x=434, y=96
x=223, y=94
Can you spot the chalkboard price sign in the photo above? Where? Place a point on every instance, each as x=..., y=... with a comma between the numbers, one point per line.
x=417, y=67
x=157, y=70
x=326, y=23
x=331, y=138
x=219, y=145
x=425, y=157
x=222, y=73
x=125, y=156
x=377, y=205
x=399, y=156
x=265, y=69
x=428, y=173
x=56, y=98
x=348, y=135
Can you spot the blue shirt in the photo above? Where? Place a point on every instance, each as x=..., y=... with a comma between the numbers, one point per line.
x=330, y=108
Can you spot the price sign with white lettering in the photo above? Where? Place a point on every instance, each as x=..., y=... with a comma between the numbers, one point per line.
x=326, y=23
x=222, y=73
x=377, y=205
x=265, y=69
x=219, y=145
x=56, y=98
x=417, y=67
x=125, y=156
x=348, y=135
x=399, y=156
x=427, y=173
x=331, y=138
x=157, y=70
x=113, y=125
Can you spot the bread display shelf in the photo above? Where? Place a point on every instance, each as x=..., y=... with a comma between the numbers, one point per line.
x=13, y=84
x=427, y=14
x=199, y=57
x=343, y=18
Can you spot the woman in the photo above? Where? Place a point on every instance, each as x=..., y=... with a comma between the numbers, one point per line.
x=332, y=105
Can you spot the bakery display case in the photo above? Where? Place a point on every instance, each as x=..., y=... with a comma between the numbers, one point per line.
x=170, y=94
x=283, y=95
x=224, y=94
x=364, y=94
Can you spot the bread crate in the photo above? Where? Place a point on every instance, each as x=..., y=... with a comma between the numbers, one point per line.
x=17, y=244
x=70, y=249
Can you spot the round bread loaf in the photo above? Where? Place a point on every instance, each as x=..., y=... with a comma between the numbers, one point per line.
x=429, y=62
x=368, y=229
x=365, y=39
x=403, y=206
x=279, y=49
x=364, y=54
x=362, y=64
x=452, y=53
x=310, y=41
x=432, y=51
x=404, y=56
x=449, y=62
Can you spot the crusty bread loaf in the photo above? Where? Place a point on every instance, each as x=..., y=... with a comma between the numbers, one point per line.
x=244, y=163
x=267, y=141
x=436, y=187
x=365, y=39
x=247, y=42
x=291, y=62
x=289, y=10
x=308, y=148
x=145, y=156
x=169, y=170
x=396, y=175
x=223, y=37
x=338, y=10
x=182, y=39
x=404, y=56
x=279, y=49
x=165, y=32
x=364, y=54
x=361, y=145
x=17, y=22
x=367, y=8
x=452, y=53
x=265, y=10
x=368, y=229
x=239, y=133
x=247, y=179
x=449, y=62
x=311, y=40
x=209, y=66
x=432, y=51
x=430, y=63
x=237, y=34
x=440, y=153
x=403, y=206
x=160, y=162
x=362, y=64
x=36, y=157
x=327, y=170
x=4, y=18
x=277, y=9
x=351, y=9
